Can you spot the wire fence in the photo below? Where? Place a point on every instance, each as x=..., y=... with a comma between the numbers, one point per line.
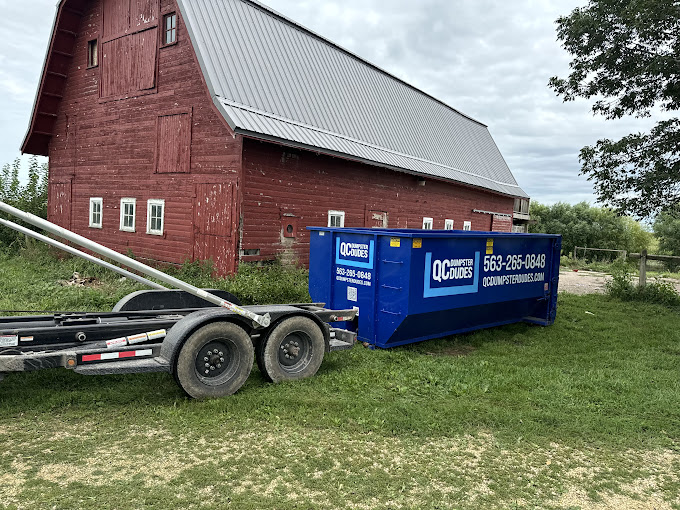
x=599, y=254
x=658, y=263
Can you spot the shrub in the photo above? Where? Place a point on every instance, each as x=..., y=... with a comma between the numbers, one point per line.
x=30, y=197
x=272, y=283
x=621, y=287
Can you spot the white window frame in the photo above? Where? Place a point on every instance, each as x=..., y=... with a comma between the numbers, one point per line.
x=340, y=214
x=100, y=202
x=149, y=206
x=467, y=225
x=123, y=203
x=426, y=222
x=448, y=224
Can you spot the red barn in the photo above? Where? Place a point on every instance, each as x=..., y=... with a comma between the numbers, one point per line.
x=219, y=129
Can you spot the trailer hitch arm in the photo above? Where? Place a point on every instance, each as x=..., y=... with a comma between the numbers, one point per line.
x=258, y=320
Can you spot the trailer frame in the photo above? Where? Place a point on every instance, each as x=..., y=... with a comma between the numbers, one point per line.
x=204, y=338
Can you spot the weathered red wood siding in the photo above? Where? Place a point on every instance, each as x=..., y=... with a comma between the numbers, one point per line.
x=110, y=148
x=287, y=186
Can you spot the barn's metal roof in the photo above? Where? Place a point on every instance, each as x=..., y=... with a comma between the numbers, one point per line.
x=274, y=79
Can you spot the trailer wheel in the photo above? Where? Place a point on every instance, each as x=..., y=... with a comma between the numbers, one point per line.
x=215, y=361
x=293, y=350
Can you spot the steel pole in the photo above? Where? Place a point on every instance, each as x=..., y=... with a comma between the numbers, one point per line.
x=81, y=254
x=262, y=320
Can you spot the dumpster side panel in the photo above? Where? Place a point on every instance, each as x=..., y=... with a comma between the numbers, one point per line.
x=393, y=283
x=461, y=271
x=351, y=258
x=320, y=262
x=413, y=285
x=460, y=283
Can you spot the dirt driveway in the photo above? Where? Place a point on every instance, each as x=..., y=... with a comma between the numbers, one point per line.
x=582, y=282
x=590, y=282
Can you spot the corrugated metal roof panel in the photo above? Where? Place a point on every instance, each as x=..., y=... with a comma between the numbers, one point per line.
x=253, y=122
x=278, y=79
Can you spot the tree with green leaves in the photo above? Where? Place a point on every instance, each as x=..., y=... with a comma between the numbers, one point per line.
x=30, y=197
x=587, y=226
x=667, y=231
x=626, y=56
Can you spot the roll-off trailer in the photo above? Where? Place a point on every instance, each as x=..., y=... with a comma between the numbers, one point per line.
x=205, y=339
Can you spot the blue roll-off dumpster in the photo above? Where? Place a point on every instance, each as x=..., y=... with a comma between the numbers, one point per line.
x=414, y=285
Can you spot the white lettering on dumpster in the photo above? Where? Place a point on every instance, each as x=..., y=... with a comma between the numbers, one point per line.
x=512, y=279
x=452, y=269
x=356, y=250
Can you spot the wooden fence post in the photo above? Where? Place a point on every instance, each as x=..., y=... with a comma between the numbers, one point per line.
x=643, y=268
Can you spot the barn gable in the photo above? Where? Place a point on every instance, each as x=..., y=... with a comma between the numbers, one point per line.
x=275, y=80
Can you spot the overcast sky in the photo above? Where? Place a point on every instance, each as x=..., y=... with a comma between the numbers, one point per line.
x=489, y=59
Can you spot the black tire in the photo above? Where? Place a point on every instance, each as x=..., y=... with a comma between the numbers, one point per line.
x=293, y=350
x=229, y=352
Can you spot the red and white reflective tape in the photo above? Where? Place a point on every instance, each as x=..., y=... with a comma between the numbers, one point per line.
x=136, y=339
x=116, y=355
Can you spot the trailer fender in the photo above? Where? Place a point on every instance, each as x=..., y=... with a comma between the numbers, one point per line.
x=169, y=300
x=185, y=327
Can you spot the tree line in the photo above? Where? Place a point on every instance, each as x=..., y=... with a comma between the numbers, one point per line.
x=601, y=227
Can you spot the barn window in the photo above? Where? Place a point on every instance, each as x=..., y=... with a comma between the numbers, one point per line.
x=170, y=28
x=448, y=224
x=96, y=212
x=467, y=225
x=521, y=206
x=92, y=56
x=127, y=214
x=155, y=212
x=427, y=223
x=336, y=219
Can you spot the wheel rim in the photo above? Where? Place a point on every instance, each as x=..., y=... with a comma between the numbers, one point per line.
x=295, y=352
x=216, y=362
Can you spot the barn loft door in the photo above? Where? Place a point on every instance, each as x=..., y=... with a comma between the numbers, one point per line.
x=213, y=225
x=59, y=203
x=376, y=219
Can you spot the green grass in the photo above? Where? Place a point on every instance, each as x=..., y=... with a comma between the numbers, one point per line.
x=31, y=281
x=578, y=414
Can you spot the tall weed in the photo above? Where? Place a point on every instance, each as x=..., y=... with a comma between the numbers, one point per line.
x=30, y=197
x=658, y=291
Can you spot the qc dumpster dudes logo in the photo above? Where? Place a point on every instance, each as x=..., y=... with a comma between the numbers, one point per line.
x=354, y=254
x=451, y=276
x=354, y=265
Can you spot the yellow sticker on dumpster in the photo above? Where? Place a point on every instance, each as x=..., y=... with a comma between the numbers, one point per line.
x=489, y=246
x=395, y=242
x=417, y=243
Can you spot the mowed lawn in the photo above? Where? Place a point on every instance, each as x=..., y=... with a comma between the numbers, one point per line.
x=584, y=414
